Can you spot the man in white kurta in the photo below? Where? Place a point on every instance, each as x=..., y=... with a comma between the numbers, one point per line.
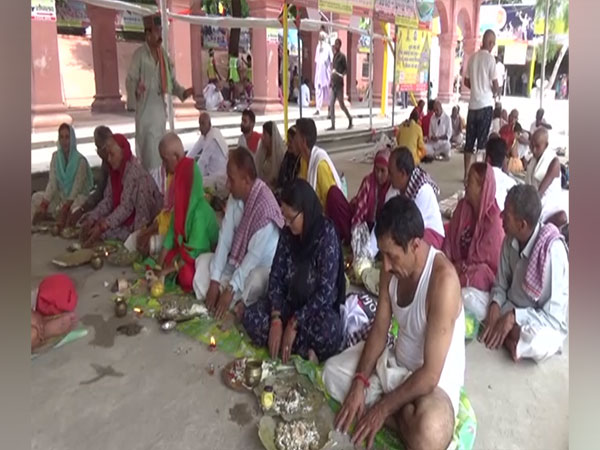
x=149, y=79
x=323, y=61
x=211, y=152
x=440, y=132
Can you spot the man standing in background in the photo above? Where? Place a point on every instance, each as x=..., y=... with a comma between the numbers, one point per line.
x=481, y=78
x=323, y=60
x=149, y=79
x=339, y=69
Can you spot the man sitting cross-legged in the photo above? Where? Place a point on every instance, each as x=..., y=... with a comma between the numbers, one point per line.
x=239, y=269
x=530, y=297
x=416, y=387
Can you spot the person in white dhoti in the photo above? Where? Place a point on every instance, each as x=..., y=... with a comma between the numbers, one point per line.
x=440, y=132
x=530, y=298
x=414, y=387
x=323, y=61
x=543, y=172
x=149, y=79
x=211, y=152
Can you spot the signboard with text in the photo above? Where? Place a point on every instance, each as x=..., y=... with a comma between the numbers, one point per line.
x=43, y=10
x=412, y=59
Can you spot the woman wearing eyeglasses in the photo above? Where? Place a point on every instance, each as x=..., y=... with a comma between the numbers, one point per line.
x=301, y=312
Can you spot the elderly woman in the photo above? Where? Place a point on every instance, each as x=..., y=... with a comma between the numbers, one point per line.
x=269, y=155
x=474, y=239
x=513, y=135
x=543, y=172
x=69, y=183
x=290, y=166
x=410, y=135
x=362, y=209
x=301, y=313
x=131, y=198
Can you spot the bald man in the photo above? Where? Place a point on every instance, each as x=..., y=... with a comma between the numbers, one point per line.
x=482, y=80
x=440, y=132
x=543, y=172
x=192, y=224
x=211, y=153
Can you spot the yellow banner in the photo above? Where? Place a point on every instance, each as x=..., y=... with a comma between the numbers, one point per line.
x=412, y=59
x=336, y=6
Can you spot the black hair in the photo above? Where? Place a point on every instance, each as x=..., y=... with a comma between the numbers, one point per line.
x=249, y=114
x=307, y=128
x=268, y=128
x=64, y=126
x=300, y=196
x=497, y=113
x=291, y=133
x=244, y=160
x=430, y=104
x=525, y=203
x=401, y=218
x=495, y=151
x=414, y=115
x=403, y=160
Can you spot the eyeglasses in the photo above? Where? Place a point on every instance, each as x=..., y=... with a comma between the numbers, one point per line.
x=288, y=222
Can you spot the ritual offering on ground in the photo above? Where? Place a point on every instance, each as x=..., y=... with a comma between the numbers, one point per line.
x=234, y=373
x=295, y=435
x=253, y=372
x=122, y=257
x=70, y=233
x=157, y=289
x=167, y=326
x=97, y=262
x=75, y=258
x=120, y=307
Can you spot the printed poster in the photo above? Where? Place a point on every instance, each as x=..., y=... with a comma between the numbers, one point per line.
x=412, y=59
x=43, y=10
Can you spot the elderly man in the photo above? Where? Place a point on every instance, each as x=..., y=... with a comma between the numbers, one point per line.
x=416, y=184
x=416, y=385
x=192, y=227
x=149, y=79
x=481, y=79
x=249, y=138
x=530, y=297
x=101, y=136
x=211, y=152
x=237, y=274
x=495, y=156
x=440, y=132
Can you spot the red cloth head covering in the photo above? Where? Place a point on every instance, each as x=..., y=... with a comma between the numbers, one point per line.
x=116, y=176
x=480, y=267
x=507, y=133
x=56, y=295
x=371, y=197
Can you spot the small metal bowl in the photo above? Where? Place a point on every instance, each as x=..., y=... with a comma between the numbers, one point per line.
x=253, y=372
x=167, y=326
x=120, y=308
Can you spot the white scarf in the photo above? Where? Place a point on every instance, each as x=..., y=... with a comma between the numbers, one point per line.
x=316, y=156
x=537, y=168
x=213, y=133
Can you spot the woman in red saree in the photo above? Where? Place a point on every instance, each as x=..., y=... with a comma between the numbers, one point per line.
x=474, y=239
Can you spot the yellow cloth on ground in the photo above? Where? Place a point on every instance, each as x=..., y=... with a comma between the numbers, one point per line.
x=325, y=179
x=411, y=137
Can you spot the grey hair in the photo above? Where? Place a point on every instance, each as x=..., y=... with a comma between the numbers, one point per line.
x=525, y=202
x=102, y=132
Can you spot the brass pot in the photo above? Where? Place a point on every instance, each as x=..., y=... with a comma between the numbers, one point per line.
x=253, y=372
x=120, y=308
x=97, y=262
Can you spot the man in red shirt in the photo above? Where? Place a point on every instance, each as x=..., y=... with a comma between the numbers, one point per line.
x=249, y=138
x=426, y=120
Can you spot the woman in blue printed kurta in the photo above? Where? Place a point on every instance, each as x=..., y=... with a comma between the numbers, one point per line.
x=301, y=313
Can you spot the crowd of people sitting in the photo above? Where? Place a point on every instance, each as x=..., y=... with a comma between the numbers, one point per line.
x=274, y=254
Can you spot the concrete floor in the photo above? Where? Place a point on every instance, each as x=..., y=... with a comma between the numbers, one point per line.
x=158, y=394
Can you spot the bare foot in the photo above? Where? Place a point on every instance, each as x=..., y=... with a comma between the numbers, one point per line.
x=59, y=325
x=312, y=356
x=511, y=342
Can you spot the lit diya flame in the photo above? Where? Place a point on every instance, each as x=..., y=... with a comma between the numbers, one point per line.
x=213, y=343
x=138, y=310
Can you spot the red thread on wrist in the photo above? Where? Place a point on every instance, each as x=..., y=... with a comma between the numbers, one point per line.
x=362, y=378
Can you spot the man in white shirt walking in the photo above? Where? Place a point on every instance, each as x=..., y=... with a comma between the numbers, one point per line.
x=482, y=80
x=440, y=131
x=500, y=75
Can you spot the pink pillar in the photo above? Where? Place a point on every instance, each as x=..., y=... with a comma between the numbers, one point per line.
x=181, y=55
x=309, y=45
x=470, y=47
x=104, y=50
x=48, y=108
x=199, y=76
x=352, y=53
x=264, y=58
x=378, y=51
x=447, y=55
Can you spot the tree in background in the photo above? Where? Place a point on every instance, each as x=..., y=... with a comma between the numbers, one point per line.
x=558, y=25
